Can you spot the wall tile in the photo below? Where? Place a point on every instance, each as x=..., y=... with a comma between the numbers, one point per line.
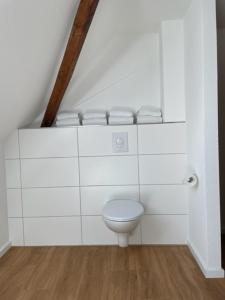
x=167, y=199
x=51, y=202
x=135, y=236
x=94, y=198
x=13, y=174
x=164, y=229
x=51, y=196
x=16, y=231
x=14, y=203
x=51, y=142
x=162, y=138
x=12, y=146
x=52, y=231
x=162, y=169
x=97, y=141
x=121, y=170
x=95, y=232
x=173, y=70
x=51, y=172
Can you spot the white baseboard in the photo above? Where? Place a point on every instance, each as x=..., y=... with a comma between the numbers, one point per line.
x=208, y=273
x=5, y=248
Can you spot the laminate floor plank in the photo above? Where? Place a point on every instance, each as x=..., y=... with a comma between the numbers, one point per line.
x=105, y=273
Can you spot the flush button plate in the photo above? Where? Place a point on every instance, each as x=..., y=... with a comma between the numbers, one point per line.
x=120, y=142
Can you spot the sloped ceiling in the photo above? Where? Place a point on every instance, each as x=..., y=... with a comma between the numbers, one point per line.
x=33, y=36
x=117, y=62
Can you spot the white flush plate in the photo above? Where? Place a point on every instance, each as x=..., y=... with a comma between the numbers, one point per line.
x=120, y=142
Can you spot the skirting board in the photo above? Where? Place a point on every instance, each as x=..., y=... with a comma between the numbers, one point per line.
x=5, y=248
x=208, y=273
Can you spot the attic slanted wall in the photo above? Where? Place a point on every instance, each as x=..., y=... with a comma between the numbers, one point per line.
x=80, y=28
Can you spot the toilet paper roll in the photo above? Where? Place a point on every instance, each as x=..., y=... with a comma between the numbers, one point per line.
x=191, y=180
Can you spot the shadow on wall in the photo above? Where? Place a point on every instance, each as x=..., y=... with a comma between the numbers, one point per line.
x=110, y=58
x=221, y=89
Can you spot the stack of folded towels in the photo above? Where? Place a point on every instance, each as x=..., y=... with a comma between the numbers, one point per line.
x=94, y=117
x=67, y=119
x=149, y=115
x=121, y=116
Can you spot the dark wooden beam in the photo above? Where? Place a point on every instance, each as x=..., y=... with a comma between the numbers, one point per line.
x=81, y=25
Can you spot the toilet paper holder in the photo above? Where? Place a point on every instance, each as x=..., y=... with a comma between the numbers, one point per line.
x=191, y=180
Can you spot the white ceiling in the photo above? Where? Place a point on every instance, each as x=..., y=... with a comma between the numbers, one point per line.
x=33, y=35
x=220, y=13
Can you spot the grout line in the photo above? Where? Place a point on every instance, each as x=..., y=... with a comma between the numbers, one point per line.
x=98, y=186
x=49, y=187
x=98, y=156
x=43, y=158
x=93, y=215
x=50, y=217
x=109, y=155
x=139, y=182
x=162, y=154
x=21, y=190
x=78, y=152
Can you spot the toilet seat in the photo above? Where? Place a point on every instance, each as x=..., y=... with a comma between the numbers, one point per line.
x=122, y=210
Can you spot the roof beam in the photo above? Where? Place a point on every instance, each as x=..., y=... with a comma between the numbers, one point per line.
x=81, y=25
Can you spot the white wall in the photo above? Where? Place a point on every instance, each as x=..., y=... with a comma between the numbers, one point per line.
x=120, y=63
x=124, y=72
x=4, y=237
x=173, y=82
x=202, y=132
x=56, y=193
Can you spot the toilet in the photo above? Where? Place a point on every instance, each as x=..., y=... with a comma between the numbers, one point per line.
x=122, y=217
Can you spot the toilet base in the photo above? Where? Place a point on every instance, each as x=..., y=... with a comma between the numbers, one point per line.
x=123, y=240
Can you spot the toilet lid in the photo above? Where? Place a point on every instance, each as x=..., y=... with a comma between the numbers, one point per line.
x=122, y=210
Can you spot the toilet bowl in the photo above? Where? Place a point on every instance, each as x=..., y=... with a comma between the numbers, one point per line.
x=122, y=217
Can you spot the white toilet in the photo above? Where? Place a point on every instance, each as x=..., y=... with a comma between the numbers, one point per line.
x=122, y=217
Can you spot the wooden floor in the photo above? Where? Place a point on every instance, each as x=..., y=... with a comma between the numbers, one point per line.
x=104, y=273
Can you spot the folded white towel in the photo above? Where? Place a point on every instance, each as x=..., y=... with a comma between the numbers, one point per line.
x=94, y=114
x=121, y=120
x=149, y=111
x=148, y=120
x=68, y=122
x=66, y=114
x=121, y=112
x=96, y=121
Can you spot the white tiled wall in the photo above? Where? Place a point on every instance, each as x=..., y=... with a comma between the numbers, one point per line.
x=94, y=197
x=49, y=172
x=13, y=173
x=16, y=231
x=51, y=202
x=164, y=229
x=48, y=142
x=14, y=200
x=113, y=170
x=162, y=138
x=52, y=231
x=100, y=144
x=59, y=180
x=162, y=169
